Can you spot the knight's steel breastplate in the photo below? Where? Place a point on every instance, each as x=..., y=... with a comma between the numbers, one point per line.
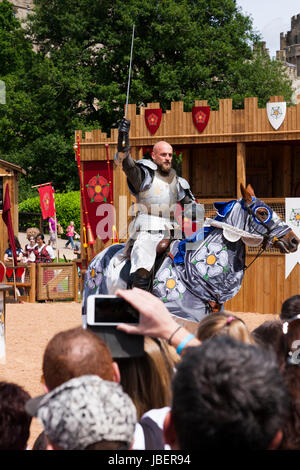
x=161, y=197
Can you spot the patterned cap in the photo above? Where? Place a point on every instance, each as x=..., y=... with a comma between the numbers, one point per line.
x=83, y=411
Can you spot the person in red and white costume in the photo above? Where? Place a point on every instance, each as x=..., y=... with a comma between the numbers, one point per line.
x=43, y=253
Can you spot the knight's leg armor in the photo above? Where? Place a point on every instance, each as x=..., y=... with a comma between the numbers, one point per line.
x=142, y=279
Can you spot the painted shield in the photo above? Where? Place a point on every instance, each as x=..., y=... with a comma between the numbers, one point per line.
x=153, y=119
x=2, y=271
x=276, y=113
x=200, y=117
x=292, y=218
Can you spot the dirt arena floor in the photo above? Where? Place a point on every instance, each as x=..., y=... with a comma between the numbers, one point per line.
x=29, y=327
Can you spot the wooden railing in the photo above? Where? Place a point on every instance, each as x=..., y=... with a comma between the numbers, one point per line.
x=22, y=279
x=45, y=281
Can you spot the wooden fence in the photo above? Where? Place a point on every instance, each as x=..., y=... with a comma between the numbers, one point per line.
x=264, y=286
x=44, y=281
x=23, y=277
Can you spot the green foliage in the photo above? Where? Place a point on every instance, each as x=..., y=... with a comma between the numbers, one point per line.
x=67, y=207
x=177, y=163
x=77, y=78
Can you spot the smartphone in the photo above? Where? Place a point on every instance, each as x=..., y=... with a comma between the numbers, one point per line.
x=108, y=310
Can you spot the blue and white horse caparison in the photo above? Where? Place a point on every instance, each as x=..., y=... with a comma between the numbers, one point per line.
x=207, y=268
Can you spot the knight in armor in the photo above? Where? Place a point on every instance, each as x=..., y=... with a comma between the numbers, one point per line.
x=157, y=189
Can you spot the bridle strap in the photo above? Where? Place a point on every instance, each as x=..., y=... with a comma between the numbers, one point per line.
x=266, y=238
x=256, y=216
x=258, y=254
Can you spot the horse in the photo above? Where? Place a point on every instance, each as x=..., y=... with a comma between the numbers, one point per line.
x=199, y=274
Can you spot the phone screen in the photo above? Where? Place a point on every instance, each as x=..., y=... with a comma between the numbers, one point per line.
x=114, y=310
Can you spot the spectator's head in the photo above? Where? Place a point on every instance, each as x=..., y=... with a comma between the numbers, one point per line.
x=77, y=352
x=227, y=395
x=40, y=239
x=31, y=240
x=147, y=378
x=17, y=243
x=290, y=308
x=86, y=413
x=220, y=324
x=14, y=421
x=291, y=374
x=269, y=335
x=291, y=340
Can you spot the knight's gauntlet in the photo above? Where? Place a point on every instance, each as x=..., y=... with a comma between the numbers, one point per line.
x=123, y=136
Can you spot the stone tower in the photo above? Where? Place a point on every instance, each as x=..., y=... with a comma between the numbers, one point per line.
x=290, y=44
x=22, y=8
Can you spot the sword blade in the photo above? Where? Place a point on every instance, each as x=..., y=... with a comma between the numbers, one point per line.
x=129, y=76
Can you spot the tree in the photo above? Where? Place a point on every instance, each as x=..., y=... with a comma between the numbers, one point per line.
x=77, y=78
x=183, y=50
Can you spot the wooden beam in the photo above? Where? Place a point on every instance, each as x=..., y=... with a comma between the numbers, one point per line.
x=287, y=172
x=186, y=164
x=240, y=166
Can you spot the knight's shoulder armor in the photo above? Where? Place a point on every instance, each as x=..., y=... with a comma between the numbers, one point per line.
x=183, y=182
x=147, y=163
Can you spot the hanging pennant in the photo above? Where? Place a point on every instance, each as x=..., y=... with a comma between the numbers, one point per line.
x=200, y=117
x=276, y=113
x=292, y=218
x=153, y=119
x=98, y=191
x=47, y=201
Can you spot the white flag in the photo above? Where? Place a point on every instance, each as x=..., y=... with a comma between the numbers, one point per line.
x=276, y=113
x=292, y=218
x=2, y=340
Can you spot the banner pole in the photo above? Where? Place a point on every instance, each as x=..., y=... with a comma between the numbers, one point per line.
x=55, y=220
x=39, y=185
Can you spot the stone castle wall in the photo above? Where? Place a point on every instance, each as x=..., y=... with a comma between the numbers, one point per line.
x=22, y=8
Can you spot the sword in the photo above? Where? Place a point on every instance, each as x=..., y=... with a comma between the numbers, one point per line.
x=129, y=76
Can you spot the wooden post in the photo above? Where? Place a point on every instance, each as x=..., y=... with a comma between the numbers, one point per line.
x=287, y=175
x=240, y=166
x=75, y=281
x=185, y=167
x=32, y=277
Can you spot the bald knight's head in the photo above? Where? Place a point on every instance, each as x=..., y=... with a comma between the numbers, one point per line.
x=162, y=155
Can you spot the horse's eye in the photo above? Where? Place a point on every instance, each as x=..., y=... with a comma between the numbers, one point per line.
x=262, y=213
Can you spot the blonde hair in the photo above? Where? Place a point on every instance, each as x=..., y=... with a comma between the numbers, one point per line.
x=218, y=324
x=147, y=379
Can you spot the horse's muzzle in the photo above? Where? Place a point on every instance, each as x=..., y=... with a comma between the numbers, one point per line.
x=294, y=242
x=288, y=243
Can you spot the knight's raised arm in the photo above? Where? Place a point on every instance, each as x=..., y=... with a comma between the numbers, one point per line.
x=123, y=136
x=132, y=171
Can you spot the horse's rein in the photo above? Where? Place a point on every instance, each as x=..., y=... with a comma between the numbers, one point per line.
x=266, y=238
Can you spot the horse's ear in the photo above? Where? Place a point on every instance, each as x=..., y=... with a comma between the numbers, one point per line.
x=247, y=193
x=251, y=190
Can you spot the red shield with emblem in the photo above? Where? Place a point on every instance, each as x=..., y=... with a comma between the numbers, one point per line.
x=152, y=119
x=200, y=117
x=98, y=189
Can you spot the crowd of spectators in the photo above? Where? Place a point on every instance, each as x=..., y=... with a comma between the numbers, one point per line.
x=222, y=387
x=36, y=250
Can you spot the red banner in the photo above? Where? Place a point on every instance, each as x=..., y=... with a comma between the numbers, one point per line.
x=200, y=117
x=6, y=216
x=152, y=119
x=98, y=193
x=47, y=201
